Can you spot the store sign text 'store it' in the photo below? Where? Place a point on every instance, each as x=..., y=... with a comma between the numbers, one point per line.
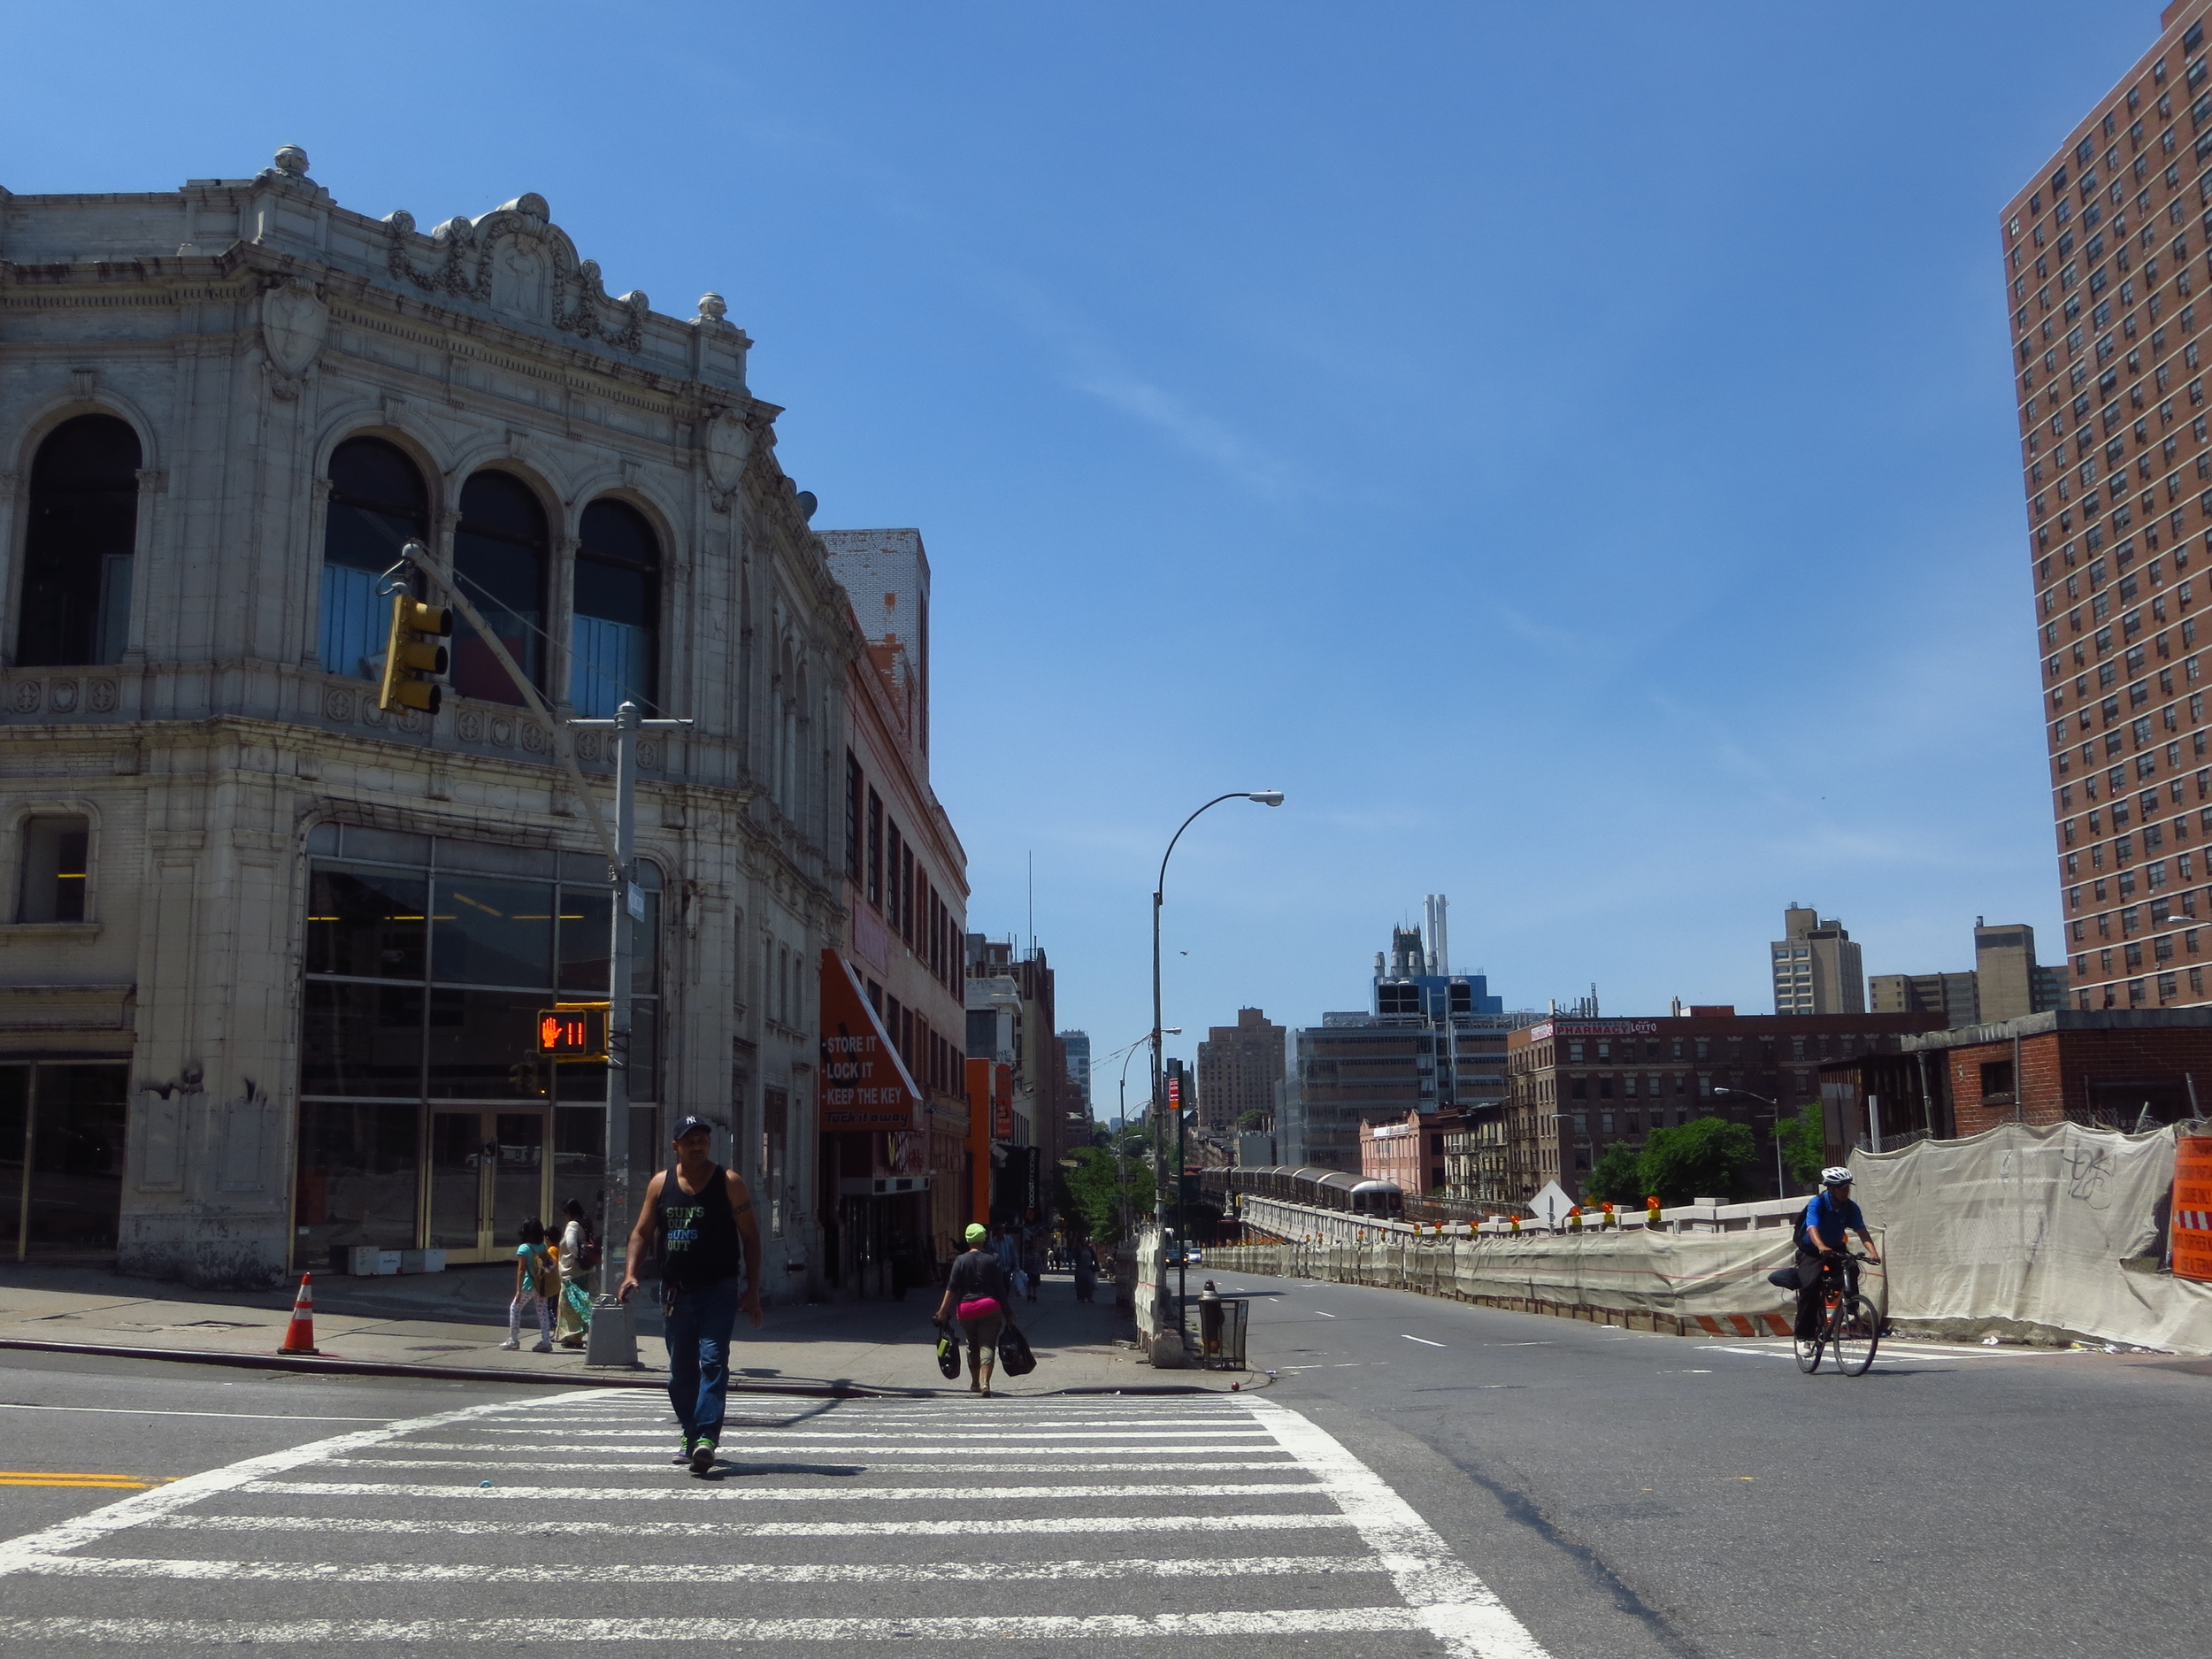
x=865, y=1084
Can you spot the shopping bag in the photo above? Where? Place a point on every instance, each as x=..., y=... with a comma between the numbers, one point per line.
x=948, y=1352
x=1014, y=1356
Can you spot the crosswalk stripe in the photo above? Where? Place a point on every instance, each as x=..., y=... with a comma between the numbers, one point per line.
x=770, y=1494
x=1089, y=1525
x=540, y=1631
x=1453, y=1604
x=740, y=1455
x=81, y=1530
x=352, y=1572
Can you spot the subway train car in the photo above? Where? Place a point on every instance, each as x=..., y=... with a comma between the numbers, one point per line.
x=1318, y=1188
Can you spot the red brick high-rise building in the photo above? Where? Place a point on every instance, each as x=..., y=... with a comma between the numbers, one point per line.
x=2109, y=279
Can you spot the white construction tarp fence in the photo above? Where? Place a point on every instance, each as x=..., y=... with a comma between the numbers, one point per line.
x=2057, y=1231
x=1714, y=1281
x=2046, y=1234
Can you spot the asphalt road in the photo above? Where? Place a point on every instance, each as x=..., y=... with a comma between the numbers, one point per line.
x=1420, y=1478
x=1633, y=1494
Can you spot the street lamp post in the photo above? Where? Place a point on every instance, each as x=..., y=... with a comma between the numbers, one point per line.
x=1781, y=1186
x=1265, y=797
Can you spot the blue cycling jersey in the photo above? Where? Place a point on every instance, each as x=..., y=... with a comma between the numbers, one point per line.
x=1831, y=1224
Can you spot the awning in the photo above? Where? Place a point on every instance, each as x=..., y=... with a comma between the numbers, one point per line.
x=865, y=1083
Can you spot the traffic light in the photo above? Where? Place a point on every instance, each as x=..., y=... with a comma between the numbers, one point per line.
x=411, y=655
x=574, y=1031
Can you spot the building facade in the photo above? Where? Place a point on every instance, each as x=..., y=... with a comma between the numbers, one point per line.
x=2104, y=265
x=1428, y=1041
x=1579, y=1085
x=269, y=983
x=1817, y=969
x=1011, y=1001
x=2127, y=1069
x=1240, y=1067
x=894, y=1178
x=1077, y=1046
x=2006, y=982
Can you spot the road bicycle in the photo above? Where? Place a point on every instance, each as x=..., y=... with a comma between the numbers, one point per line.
x=1850, y=1329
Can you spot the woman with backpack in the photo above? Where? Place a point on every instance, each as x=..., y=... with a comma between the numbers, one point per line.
x=537, y=1283
x=580, y=1259
x=978, y=1288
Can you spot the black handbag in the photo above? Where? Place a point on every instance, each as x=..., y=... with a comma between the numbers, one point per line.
x=1014, y=1356
x=947, y=1351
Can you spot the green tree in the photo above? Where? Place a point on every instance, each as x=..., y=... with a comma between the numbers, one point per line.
x=1705, y=1157
x=1255, y=1120
x=1616, y=1175
x=1096, y=1187
x=1805, y=1143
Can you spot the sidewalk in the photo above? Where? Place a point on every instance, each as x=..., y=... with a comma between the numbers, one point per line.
x=450, y=1325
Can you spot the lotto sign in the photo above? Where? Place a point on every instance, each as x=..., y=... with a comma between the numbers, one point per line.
x=573, y=1033
x=2192, y=1206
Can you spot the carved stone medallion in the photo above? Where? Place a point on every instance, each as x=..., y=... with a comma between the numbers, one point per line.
x=729, y=443
x=292, y=323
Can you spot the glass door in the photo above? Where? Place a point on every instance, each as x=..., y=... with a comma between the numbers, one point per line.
x=61, y=1158
x=488, y=1174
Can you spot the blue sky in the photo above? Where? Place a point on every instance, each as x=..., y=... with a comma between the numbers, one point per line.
x=1567, y=449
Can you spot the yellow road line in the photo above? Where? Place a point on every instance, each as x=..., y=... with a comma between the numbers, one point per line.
x=71, y=1477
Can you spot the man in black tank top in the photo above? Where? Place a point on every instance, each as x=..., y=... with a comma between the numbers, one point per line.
x=710, y=1241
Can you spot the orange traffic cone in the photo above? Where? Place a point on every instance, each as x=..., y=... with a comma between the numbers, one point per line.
x=299, y=1336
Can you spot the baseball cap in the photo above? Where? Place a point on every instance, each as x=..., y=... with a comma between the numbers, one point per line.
x=690, y=1123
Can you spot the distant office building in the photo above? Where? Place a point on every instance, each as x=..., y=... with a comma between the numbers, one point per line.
x=1953, y=997
x=1078, y=1043
x=2099, y=271
x=2006, y=982
x=2012, y=983
x=1429, y=1040
x=1817, y=967
x=1239, y=1068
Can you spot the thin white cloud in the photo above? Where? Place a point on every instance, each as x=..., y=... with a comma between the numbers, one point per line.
x=1199, y=434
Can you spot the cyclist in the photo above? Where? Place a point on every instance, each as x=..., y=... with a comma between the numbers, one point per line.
x=1830, y=1220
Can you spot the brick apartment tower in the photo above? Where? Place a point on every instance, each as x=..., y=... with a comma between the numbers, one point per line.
x=2107, y=270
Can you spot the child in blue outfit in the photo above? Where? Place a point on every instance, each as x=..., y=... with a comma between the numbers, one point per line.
x=537, y=1284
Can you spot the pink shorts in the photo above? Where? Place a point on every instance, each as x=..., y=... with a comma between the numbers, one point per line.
x=981, y=1308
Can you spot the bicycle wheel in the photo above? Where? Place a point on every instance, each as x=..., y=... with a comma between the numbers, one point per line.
x=1809, y=1355
x=1857, y=1333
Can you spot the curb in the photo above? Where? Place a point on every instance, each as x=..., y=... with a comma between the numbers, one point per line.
x=329, y=1366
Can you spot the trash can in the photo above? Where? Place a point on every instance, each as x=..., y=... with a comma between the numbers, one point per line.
x=1221, y=1331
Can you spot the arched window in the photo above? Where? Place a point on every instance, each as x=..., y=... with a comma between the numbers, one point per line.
x=614, y=644
x=378, y=504
x=499, y=557
x=77, y=554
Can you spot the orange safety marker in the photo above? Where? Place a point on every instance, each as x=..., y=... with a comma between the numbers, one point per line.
x=2192, y=1230
x=299, y=1336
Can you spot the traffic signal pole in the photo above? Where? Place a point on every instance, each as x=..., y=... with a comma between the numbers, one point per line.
x=612, y=1339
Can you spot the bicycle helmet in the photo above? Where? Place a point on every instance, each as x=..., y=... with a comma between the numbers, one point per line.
x=1835, y=1175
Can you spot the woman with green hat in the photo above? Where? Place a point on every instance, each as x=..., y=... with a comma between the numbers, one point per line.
x=977, y=1290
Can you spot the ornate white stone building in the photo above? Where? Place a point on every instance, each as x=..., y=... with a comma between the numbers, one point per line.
x=270, y=958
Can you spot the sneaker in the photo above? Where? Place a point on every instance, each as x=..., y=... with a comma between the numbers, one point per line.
x=511, y=1345
x=543, y=1348
x=702, y=1456
x=684, y=1456
x=1805, y=1349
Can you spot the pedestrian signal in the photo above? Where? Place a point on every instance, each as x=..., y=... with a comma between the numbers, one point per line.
x=573, y=1033
x=411, y=655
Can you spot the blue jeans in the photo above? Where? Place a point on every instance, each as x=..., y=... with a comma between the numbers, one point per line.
x=697, y=1326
